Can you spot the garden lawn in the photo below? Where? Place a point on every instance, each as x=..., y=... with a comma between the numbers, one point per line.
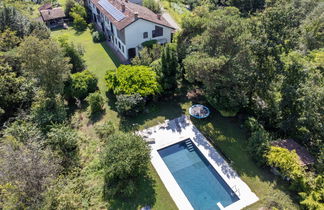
x=99, y=58
x=226, y=134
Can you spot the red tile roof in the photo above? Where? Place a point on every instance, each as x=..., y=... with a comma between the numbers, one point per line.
x=130, y=10
x=305, y=157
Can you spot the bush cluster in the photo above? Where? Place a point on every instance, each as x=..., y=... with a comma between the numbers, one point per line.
x=98, y=37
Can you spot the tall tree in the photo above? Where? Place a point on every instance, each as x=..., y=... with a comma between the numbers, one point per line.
x=219, y=60
x=44, y=61
x=169, y=68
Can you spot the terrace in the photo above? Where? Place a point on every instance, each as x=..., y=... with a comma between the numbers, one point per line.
x=174, y=131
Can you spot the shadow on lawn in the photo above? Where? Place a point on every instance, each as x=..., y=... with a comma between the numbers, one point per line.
x=229, y=138
x=111, y=54
x=161, y=110
x=145, y=195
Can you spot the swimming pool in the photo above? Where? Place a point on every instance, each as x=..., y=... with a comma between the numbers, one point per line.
x=197, y=178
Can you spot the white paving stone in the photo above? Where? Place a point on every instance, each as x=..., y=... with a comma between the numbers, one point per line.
x=179, y=129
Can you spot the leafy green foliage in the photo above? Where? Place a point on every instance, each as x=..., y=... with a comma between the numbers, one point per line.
x=81, y=84
x=220, y=61
x=105, y=130
x=8, y=40
x=98, y=36
x=46, y=111
x=63, y=140
x=169, y=68
x=132, y=79
x=302, y=101
x=258, y=142
x=79, y=14
x=44, y=61
x=27, y=170
x=130, y=105
x=314, y=198
x=96, y=103
x=125, y=160
x=11, y=18
x=152, y=5
x=75, y=53
x=15, y=90
x=312, y=30
x=23, y=130
x=147, y=55
x=287, y=161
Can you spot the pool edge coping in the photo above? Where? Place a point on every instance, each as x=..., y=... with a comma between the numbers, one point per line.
x=246, y=196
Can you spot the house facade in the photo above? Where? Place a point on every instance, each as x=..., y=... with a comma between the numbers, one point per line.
x=127, y=25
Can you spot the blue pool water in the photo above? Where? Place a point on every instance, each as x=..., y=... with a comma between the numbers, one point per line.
x=197, y=178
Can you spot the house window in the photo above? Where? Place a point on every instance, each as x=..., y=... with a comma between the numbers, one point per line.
x=145, y=35
x=157, y=32
x=123, y=49
x=119, y=45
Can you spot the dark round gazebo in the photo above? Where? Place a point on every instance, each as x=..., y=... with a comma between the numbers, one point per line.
x=199, y=111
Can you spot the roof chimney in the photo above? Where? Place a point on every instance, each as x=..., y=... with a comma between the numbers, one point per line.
x=158, y=16
x=123, y=7
x=136, y=15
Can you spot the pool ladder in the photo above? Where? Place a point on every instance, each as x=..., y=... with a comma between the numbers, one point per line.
x=189, y=145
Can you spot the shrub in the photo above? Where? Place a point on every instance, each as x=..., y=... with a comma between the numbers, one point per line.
x=258, y=145
x=105, y=130
x=75, y=54
x=78, y=13
x=96, y=102
x=46, y=111
x=79, y=22
x=125, y=160
x=69, y=4
x=287, y=161
x=129, y=80
x=81, y=84
x=63, y=140
x=98, y=37
x=130, y=104
x=149, y=43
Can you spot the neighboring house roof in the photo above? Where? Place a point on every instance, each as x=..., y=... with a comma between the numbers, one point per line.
x=305, y=157
x=131, y=11
x=45, y=6
x=51, y=14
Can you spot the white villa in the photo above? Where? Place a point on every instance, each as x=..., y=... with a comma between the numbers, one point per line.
x=127, y=25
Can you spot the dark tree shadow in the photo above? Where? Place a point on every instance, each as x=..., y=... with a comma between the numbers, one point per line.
x=168, y=108
x=144, y=195
x=111, y=54
x=96, y=117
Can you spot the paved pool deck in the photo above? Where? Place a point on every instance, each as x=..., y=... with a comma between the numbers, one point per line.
x=179, y=129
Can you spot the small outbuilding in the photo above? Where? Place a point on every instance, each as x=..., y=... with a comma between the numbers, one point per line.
x=52, y=17
x=306, y=159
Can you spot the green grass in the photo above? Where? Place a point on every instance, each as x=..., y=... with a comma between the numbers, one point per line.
x=226, y=135
x=99, y=58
